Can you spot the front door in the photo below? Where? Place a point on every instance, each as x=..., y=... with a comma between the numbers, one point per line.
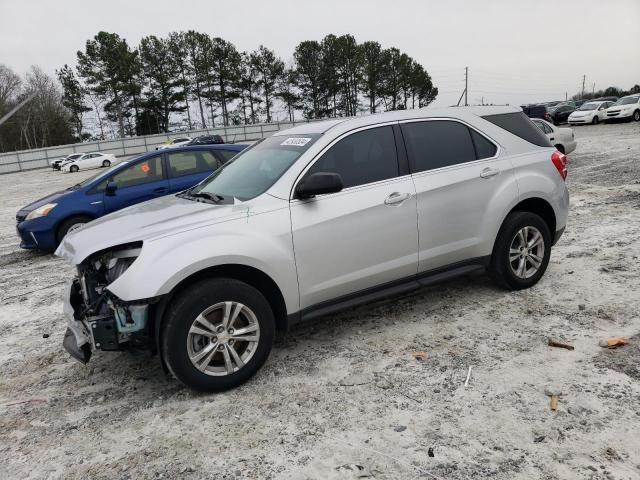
x=364, y=236
x=144, y=180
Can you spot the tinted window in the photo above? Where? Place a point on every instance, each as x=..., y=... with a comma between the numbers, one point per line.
x=484, y=148
x=437, y=144
x=142, y=172
x=518, y=124
x=188, y=163
x=363, y=157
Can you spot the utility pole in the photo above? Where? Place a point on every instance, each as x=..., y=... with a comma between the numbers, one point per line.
x=584, y=77
x=466, y=85
x=593, y=90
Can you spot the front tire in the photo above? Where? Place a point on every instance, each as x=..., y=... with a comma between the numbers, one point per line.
x=521, y=252
x=71, y=224
x=595, y=120
x=636, y=115
x=217, y=334
x=73, y=168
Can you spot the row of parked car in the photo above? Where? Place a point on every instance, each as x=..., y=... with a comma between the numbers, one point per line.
x=591, y=112
x=75, y=162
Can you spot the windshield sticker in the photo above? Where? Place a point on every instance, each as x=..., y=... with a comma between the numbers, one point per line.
x=296, y=141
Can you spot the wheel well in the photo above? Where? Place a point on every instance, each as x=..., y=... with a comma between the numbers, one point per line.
x=539, y=207
x=252, y=276
x=65, y=220
x=560, y=148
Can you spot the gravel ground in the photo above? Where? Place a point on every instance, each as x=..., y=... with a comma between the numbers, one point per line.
x=345, y=397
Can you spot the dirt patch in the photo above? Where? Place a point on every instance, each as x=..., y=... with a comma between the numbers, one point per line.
x=625, y=359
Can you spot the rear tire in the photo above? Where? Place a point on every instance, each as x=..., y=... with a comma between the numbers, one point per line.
x=73, y=168
x=514, y=265
x=70, y=224
x=106, y=164
x=206, y=352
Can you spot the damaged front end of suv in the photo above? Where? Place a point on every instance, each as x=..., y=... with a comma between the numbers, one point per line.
x=97, y=318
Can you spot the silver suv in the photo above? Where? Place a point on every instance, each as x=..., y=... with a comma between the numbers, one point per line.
x=309, y=221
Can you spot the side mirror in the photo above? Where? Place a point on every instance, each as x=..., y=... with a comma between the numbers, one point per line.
x=318, y=184
x=111, y=188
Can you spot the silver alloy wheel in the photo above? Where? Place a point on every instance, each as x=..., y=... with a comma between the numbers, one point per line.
x=526, y=252
x=223, y=338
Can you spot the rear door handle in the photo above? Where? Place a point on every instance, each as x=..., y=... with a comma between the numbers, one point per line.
x=160, y=190
x=489, y=172
x=396, y=198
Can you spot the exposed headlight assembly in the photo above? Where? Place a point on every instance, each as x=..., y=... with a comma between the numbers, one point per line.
x=116, y=262
x=42, y=211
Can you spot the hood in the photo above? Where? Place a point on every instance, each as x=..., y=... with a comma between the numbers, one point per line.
x=167, y=215
x=43, y=201
x=582, y=113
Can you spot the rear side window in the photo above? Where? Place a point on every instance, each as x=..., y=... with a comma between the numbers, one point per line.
x=437, y=144
x=227, y=154
x=519, y=125
x=189, y=163
x=362, y=157
x=484, y=148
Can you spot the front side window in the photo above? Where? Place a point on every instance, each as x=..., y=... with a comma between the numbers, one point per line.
x=437, y=143
x=362, y=157
x=140, y=173
x=254, y=170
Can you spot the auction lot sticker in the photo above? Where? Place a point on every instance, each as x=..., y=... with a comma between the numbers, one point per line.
x=296, y=141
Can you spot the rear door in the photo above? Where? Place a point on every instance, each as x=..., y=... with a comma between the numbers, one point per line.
x=144, y=180
x=188, y=167
x=364, y=236
x=458, y=172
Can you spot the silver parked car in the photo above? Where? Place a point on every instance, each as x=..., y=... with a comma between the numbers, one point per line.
x=309, y=221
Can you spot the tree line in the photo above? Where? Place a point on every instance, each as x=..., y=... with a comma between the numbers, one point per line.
x=206, y=82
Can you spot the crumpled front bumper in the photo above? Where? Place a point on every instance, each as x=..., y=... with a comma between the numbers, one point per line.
x=77, y=341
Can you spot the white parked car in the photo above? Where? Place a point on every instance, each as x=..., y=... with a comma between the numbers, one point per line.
x=90, y=160
x=625, y=108
x=590, y=112
x=561, y=138
x=174, y=142
x=57, y=164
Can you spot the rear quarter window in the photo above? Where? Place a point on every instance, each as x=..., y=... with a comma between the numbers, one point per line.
x=519, y=125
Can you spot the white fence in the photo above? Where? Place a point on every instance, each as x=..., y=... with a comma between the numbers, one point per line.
x=42, y=157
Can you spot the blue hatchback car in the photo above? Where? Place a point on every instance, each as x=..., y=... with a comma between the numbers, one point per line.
x=43, y=223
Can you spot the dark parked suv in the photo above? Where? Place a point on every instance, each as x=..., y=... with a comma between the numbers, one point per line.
x=560, y=113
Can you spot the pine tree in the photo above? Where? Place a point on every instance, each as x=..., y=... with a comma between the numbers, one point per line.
x=225, y=62
x=73, y=97
x=269, y=68
x=308, y=58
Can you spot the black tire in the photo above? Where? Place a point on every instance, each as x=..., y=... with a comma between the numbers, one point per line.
x=595, y=120
x=106, y=163
x=500, y=268
x=73, y=168
x=560, y=148
x=636, y=115
x=65, y=226
x=193, y=301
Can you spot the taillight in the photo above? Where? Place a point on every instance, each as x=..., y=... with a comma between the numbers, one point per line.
x=560, y=162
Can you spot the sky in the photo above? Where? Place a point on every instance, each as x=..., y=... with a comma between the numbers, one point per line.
x=517, y=51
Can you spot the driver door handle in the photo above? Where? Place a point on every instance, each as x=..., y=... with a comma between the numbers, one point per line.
x=396, y=198
x=489, y=172
x=160, y=190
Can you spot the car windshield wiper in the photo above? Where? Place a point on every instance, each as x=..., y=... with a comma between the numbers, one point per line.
x=209, y=196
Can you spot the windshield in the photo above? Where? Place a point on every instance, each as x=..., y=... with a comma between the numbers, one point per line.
x=253, y=171
x=589, y=106
x=627, y=101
